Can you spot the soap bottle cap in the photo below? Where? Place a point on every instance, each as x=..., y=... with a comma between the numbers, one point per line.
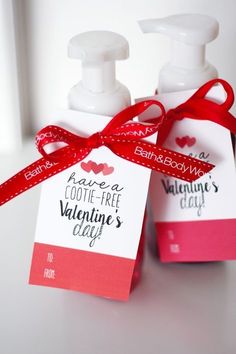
x=98, y=51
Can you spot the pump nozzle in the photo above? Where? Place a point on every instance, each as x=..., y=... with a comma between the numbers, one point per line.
x=99, y=92
x=190, y=29
x=98, y=51
x=189, y=34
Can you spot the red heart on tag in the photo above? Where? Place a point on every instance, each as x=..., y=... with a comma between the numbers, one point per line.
x=181, y=141
x=86, y=166
x=190, y=141
x=107, y=170
x=97, y=168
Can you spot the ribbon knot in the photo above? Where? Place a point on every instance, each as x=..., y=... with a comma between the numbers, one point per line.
x=94, y=141
x=174, y=114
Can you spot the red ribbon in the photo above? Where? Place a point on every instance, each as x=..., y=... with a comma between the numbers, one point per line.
x=200, y=108
x=122, y=137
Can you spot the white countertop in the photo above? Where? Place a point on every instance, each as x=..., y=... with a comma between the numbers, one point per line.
x=176, y=309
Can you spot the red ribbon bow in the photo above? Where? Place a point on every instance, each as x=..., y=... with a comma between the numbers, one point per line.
x=200, y=108
x=125, y=140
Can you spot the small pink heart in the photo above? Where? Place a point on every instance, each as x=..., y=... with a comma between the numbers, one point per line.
x=86, y=166
x=97, y=168
x=181, y=142
x=190, y=141
x=107, y=170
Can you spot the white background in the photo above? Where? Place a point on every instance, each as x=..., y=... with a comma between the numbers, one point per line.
x=44, y=27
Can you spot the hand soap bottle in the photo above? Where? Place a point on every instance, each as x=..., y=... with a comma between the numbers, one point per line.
x=187, y=69
x=99, y=92
x=93, y=240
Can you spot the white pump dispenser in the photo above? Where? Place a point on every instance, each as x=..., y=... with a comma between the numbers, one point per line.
x=99, y=92
x=189, y=33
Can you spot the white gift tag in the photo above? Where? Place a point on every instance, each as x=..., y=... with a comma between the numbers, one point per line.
x=196, y=221
x=90, y=219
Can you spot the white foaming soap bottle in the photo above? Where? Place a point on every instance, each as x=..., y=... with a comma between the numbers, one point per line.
x=102, y=243
x=99, y=92
x=189, y=34
x=182, y=215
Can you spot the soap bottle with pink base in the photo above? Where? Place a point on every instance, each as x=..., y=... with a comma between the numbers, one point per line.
x=186, y=70
x=99, y=92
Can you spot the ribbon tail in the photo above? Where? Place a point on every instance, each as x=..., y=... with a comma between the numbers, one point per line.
x=162, y=160
x=36, y=173
x=164, y=131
